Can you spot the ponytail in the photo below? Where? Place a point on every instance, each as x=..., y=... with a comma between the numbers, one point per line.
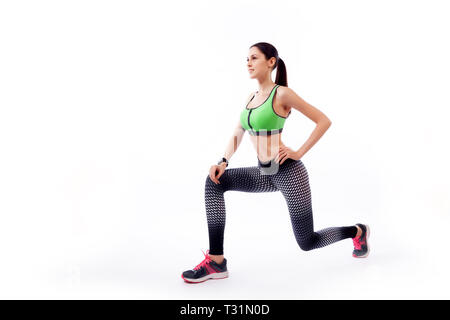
x=281, y=77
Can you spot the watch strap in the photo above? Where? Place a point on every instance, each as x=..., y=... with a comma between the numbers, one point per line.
x=223, y=160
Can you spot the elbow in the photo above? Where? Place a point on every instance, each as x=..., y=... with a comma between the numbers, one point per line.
x=325, y=122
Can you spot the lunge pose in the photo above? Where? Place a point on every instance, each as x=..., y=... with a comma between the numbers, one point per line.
x=278, y=167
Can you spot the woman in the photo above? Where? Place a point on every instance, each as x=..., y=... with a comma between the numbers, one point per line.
x=279, y=168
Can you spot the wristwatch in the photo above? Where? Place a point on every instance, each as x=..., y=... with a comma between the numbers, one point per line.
x=223, y=160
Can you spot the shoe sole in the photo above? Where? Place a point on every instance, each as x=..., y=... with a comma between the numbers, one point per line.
x=367, y=243
x=214, y=276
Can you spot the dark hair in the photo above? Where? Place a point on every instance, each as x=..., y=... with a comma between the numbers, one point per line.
x=270, y=51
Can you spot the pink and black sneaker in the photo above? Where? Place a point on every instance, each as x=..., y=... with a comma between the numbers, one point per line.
x=205, y=270
x=360, y=243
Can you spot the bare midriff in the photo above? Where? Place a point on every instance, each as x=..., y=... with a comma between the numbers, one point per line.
x=267, y=146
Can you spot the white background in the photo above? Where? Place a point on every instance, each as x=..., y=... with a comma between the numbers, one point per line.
x=112, y=113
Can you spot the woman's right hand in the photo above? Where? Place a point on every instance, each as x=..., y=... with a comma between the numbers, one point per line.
x=216, y=171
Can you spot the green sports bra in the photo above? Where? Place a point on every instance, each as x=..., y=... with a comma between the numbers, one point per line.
x=263, y=120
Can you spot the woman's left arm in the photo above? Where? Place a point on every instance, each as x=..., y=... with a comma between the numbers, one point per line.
x=289, y=98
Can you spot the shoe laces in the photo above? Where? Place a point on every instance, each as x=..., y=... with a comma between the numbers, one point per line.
x=205, y=261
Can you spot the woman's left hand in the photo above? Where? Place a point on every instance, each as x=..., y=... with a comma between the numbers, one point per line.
x=285, y=153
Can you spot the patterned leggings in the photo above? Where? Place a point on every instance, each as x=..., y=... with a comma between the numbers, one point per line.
x=291, y=178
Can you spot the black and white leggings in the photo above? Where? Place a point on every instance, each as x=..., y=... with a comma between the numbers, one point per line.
x=291, y=178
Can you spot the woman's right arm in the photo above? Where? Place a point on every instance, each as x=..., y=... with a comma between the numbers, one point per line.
x=216, y=171
x=236, y=138
x=234, y=142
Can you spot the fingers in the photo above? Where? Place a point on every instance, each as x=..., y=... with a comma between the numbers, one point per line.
x=279, y=154
x=212, y=174
x=220, y=172
x=282, y=155
x=213, y=179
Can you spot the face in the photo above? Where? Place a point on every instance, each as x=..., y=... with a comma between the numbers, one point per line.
x=257, y=65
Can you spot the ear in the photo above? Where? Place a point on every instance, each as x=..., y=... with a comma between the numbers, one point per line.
x=274, y=60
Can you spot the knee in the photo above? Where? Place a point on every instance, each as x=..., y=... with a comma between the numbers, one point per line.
x=305, y=245
x=211, y=184
x=209, y=181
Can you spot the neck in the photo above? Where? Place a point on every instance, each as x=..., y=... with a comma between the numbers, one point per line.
x=266, y=86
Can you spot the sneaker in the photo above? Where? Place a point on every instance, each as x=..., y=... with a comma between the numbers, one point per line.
x=360, y=243
x=207, y=269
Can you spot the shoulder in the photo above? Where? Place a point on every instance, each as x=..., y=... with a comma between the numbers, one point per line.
x=284, y=94
x=283, y=91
